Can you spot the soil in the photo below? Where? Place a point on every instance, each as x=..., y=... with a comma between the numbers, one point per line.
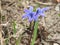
x=12, y=10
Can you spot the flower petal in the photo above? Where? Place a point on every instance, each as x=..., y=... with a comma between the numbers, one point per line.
x=35, y=18
x=30, y=19
x=26, y=11
x=44, y=9
x=42, y=14
x=38, y=10
x=31, y=9
x=24, y=16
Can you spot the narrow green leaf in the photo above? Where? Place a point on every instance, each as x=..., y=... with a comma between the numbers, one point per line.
x=6, y=41
x=59, y=14
x=34, y=9
x=18, y=40
x=14, y=27
x=3, y=18
x=34, y=33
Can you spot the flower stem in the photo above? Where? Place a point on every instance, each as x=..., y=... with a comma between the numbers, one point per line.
x=34, y=33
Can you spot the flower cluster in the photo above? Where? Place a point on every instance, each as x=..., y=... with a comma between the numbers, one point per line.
x=34, y=15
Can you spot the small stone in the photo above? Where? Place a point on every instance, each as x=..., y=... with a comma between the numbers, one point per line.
x=57, y=8
x=55, y=44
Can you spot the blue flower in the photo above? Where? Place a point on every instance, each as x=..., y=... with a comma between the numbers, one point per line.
x=29, y=14
x=40, y=12
x=34, y=15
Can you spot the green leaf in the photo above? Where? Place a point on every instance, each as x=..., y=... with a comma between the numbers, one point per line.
x=34, y=33
x=18, y=40
x=3, y=18
x=14, y=27
x=6, y=41
x=59, y=14
x=34, y=9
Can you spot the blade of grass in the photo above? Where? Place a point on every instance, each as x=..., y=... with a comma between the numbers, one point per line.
x=18, y=40
x=6, y=41
x=34, y=33
x=59, y=14
x=14, y=27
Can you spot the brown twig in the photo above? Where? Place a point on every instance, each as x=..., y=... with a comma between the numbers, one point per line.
x=44, y=3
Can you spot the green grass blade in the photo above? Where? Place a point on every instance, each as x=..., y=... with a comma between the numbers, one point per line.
x=59, y=14
x=14, y=27
x=34, y=33
x=6, y=41
x=18, y=40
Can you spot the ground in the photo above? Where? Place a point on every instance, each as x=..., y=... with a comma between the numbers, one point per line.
x=12, y=10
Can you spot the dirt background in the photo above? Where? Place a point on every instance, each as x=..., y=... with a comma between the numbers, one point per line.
x=12, y=10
